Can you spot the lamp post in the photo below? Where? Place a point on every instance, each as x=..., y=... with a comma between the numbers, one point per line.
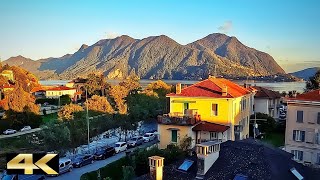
x=87, y=117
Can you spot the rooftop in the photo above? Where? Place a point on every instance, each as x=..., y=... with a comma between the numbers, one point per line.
x=212, y=87
x=308, y=96
x=247, y=157
x=60, y=88
x=266, y=93
x=209, y=126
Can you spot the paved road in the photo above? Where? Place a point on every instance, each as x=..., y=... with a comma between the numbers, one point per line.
x=20, y=133
x=77, y=172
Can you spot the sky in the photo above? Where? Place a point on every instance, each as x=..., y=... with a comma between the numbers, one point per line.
x=286, y=29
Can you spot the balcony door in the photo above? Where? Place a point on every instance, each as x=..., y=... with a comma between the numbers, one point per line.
x=185, y=107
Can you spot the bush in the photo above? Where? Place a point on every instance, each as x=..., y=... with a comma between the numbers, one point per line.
x=264, y=126
x=51, y=101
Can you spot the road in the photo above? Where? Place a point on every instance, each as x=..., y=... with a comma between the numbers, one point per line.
x=20, y=133
x=77, y=172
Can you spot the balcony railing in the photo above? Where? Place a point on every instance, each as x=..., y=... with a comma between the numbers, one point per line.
x=178, y=119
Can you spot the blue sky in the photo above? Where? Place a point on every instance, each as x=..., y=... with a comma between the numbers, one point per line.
x=288, y=30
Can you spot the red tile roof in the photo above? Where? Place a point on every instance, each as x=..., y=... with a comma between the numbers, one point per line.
x=266, y=93
x=60, y=88
x=308, y=96
x=208, y=126
x=212, y=87
x=7, y=86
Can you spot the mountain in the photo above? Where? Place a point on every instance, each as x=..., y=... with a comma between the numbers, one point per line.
x=156, y=57
x=306, y=73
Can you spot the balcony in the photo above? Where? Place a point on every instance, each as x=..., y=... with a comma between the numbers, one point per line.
x=178, y=119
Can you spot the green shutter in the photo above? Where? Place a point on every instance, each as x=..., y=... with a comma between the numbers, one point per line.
x=174, y=135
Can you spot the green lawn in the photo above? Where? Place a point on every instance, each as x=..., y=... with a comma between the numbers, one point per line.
x=275, y=138
x=49, y=117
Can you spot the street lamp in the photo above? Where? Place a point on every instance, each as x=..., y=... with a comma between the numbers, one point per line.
x=87, y=117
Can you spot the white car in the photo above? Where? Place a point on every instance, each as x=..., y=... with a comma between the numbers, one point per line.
x=148, y=137
x=120, y=146
x=26, y=128
x=9, y=131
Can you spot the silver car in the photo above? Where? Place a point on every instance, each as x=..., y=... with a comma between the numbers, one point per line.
x=135, y=141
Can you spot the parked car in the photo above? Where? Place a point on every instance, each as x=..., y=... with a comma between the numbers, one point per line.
x=121, y=146
x=105, y=152
x=9, y=131
x=22, y=177
x=135, y=141
x=148, y=137
x=83, y=160
x=65, y=165
x=26, y=128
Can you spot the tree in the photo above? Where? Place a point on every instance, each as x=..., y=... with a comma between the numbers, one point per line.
x=128, y=172
x=67, y=111
x=18, y=100
x=100, y=104
x=313, y=82
x=160, y=87
x=119, y=93
x=96, y=84
x=265, y=126
x=65, y=99
x=131, y=83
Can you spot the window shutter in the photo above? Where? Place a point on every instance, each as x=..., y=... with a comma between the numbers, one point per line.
x=301, y=155
x=317, y=138
x=318, y=120
x=294, y=135
x=303, y=136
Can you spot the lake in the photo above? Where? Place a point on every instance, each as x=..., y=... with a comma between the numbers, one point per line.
x=276, y=86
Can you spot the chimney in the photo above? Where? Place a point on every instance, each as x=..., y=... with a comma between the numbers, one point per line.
x=156, y=167
x=207, y=153
x=178, y=88
x=224, y=91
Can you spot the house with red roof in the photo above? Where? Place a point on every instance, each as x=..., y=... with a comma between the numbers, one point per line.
x=56, y=92
x=302, y=137
x=267, y=101
x=212, y=109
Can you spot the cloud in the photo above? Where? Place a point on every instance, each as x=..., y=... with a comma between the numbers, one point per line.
x=112, y=35
x=226, y=27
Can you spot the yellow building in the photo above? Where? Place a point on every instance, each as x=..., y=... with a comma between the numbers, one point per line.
x=56, y=92
x=8, y=74
x=212, y=109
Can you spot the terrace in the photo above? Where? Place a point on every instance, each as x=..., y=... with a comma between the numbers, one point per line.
x=189, y=117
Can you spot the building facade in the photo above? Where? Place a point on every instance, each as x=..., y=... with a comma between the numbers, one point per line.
x=267, y=101
x=303, y=128
x=212, y=109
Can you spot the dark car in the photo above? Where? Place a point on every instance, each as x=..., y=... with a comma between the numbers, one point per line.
x=103, y=153
x=135, y=141
x=22, y=177
x=83, y=160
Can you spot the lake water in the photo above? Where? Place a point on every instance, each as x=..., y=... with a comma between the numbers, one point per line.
x=276, y=86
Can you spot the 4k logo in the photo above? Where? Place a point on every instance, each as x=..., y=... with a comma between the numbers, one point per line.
x=37, y=163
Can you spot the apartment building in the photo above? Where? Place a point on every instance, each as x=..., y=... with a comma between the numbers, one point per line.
x=303, y=128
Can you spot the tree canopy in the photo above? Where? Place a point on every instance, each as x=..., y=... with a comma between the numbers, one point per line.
x=96, y=84
x=67, y=111
x=313, y=82
x=100, y=104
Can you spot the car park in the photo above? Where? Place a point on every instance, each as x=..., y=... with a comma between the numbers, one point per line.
x=83, y=160
x=25, y=128
x=148, y=137
x=135, y=141
x=104, y=152
x=121, y=146
x=9, y=131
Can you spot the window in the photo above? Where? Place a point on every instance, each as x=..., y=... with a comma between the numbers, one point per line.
x=213, y=135
x=298, y=135
x=174, y=136
x=318, y=118
x=300, y=116
x=185, y=106
x=297, y=155
x=317, y=138
x=214, y=110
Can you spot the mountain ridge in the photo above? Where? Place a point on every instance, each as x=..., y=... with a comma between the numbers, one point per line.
x=156, y=57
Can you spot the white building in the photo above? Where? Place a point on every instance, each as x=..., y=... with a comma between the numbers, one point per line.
x=267, y=101
x=303, y=128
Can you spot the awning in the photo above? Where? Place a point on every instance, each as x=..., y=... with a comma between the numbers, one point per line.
x=181, y=101
x=170, y=129
x=211, y=127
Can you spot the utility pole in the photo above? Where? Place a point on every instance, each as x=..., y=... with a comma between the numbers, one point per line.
x=87, y=117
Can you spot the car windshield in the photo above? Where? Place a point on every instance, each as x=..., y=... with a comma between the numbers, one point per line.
x=118, y=145
x=146, y=135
